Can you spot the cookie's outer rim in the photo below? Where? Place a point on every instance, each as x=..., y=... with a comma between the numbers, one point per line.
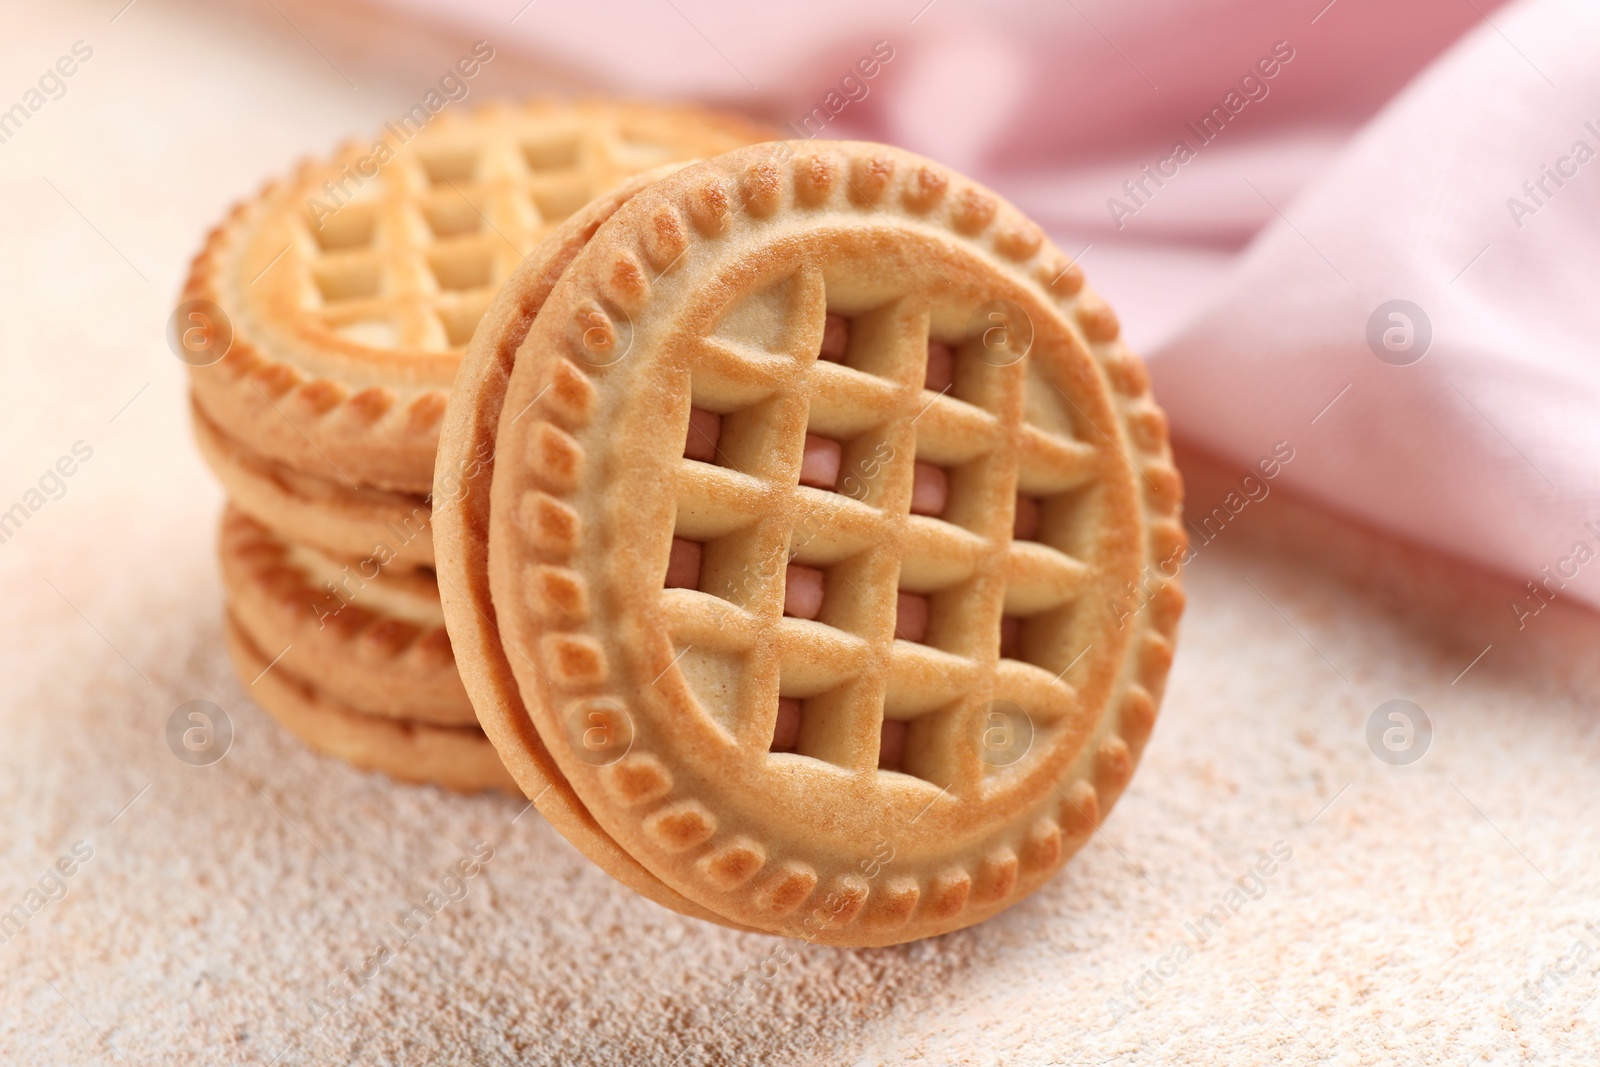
x=683, y=843
x=461, y=485
x=457, y=758
x=383, y=435
x=361, y=655
x=338, y=520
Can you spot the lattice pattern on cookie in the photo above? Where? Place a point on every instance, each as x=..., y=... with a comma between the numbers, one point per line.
x=410, y=259
x=829, y=681
x=882, y=600
x=354, y=286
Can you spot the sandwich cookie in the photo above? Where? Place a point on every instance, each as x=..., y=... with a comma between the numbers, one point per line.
x=350, y=522
x=456, y=757
x=827, y=568
x=372, y=640
x=351, y=288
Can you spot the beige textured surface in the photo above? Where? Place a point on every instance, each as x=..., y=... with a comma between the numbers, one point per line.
x=214, y=908
x=208, y=916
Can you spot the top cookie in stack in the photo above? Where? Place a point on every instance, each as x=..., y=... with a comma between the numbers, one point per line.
x=335, y=305
x=351, y=297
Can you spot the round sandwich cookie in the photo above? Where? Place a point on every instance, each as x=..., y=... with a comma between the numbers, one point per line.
x=372, y=640
x=455, y=757
x=350, y=522
x=826, y=569
x=329, y=312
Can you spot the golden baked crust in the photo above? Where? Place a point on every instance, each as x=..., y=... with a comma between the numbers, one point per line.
x=346, y=521
x=708, y=289
x=461, y=501
x=372, y=640
x=351, y=298
x=456, y=757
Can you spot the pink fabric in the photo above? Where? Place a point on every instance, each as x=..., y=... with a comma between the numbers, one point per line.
x=1376, y=163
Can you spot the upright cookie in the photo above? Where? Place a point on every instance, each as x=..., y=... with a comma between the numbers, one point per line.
x=831, y=543
x=351, y=288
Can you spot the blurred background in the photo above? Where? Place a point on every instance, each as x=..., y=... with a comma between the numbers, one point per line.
x=1377, y=161
x=1341, y=163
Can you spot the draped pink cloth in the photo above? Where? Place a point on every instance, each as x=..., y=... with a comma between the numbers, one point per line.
x=1336, y=157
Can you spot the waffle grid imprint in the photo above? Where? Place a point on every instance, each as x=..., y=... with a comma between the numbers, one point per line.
x=352, y=287
x=410, y=260
x=869, y=546
x=886, y=528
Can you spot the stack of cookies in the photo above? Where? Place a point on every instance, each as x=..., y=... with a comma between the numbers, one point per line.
x=806, y=534
x=324, y=322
